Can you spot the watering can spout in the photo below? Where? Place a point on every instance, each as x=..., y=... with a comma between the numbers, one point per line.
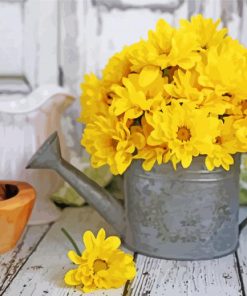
x=49, y=157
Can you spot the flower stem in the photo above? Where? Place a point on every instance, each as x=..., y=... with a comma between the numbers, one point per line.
x=69, y=237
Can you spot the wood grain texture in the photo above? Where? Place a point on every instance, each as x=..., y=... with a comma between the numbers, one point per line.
x=199, y=278
x=44, y=271
x=12, y=262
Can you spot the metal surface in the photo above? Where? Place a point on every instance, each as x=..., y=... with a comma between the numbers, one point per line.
x=187, y=214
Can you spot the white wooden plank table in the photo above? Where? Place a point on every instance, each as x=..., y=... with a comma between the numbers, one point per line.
x=37, y=265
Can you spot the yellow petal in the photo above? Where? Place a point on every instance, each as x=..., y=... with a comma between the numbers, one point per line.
x=89, y=240
x=148, y=75
x=209, y=164
x=226, y=166
x=148, y=164
x=89, y=288
x=186, y=161
x=132, y=113
x=123, y=160
x=138, y=140
x=128, y=258
x=130, y=273
x=112, y=242
x=74, y=257
x=229, y=159
x=87, y=280
x=70, y=278
x=101, y=235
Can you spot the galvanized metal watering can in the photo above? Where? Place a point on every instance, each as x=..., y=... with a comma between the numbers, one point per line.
x=187, y=214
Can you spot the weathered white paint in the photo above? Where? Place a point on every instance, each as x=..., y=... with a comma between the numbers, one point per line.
x=11, y=38
x=44, y=271
x=13, y=85
x=40, y=42
x=199, y=278
x=12, y=262
x=29, y=40
x=70, y=51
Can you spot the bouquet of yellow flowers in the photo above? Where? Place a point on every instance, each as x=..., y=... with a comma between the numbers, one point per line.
x=178, y=94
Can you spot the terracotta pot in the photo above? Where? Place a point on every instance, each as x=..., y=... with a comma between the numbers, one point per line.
x=16, y=204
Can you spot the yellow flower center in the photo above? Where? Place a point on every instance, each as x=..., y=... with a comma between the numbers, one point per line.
x=114, y=143
x=183, y=134
x=99, y=265
x=218, y=140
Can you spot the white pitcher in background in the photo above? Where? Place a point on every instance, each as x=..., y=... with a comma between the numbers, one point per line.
x=24, y=125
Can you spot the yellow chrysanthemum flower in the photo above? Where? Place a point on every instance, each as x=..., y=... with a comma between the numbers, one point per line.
x=149, y=154
x=93, y=98
x=224, y=69
x=184, y=50
x=185, y=86
x=141, y=54
x=154, y=50
x=167, y=97
x=188, y=132
x=241, y=134
x=137, y=137
x=165, y=47
x=152, y=155
x=205, y=30
x=132, y=99
x=224, y=144
x=214, y=104
x=108, y=141
x=102, y=265
x=117, y=67
x=239, y=107
x=161, y=38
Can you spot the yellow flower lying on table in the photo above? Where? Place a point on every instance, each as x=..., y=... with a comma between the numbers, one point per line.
x=175, y=95
x=102, y=265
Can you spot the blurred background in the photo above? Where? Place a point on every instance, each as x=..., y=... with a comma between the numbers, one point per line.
x=58, y=41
